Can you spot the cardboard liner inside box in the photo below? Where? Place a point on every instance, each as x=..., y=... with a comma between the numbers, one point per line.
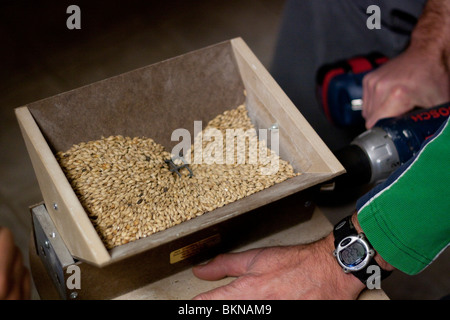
x=152, y=102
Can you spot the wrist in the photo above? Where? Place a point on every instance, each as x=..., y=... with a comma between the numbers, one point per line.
x=378, y=258
x=345, y=282
x=431, y=37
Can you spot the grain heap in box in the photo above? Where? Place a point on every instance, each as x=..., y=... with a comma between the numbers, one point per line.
x=128, y=191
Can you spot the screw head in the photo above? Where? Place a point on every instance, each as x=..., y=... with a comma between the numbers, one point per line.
x=274, y=126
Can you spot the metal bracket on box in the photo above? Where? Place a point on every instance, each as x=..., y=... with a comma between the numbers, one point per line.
x=52, y=251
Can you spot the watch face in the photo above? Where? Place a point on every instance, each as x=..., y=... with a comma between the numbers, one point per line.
x=353, y=254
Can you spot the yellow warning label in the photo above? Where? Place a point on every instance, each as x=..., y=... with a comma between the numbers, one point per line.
x=194, y=248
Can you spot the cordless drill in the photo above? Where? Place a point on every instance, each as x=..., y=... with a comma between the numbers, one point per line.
x=339, y=88
x=376, y=153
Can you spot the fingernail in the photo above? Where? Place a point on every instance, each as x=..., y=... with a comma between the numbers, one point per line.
x=204, y=263
x=199, y=266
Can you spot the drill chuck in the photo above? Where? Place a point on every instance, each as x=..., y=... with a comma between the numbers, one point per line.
x=381, y=152
x=370, y=158
x=357, y=166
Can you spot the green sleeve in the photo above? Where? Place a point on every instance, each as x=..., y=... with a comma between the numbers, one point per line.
x=407, y=218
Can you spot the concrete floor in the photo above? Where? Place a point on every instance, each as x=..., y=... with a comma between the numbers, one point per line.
x=41, y=57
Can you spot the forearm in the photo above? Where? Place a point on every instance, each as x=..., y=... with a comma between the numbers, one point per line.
x=418, y=77
x=406, y=218
x=378, y=258
x=431, y=35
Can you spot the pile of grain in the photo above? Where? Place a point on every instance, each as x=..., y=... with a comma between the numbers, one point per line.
x=129, y=192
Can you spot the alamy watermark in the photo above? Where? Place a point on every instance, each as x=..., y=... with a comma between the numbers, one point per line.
x=236, y=146
x=74, y=20
x=374, y=281
x=374, y=20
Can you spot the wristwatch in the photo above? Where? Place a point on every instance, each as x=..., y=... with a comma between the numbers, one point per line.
x=354, y=252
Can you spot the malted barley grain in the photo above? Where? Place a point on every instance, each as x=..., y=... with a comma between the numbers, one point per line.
x=129, y=193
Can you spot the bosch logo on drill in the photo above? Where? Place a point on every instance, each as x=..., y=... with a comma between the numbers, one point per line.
x=431, y=114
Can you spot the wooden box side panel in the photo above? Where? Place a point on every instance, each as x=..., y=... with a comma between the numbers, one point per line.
x=268, y=104
x=69, y=216
x=156, y=263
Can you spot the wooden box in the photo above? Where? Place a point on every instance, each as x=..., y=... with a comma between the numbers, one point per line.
x=153, y=101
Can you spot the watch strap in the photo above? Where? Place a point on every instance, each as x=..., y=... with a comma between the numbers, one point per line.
x=363, y=275
x=342, y=229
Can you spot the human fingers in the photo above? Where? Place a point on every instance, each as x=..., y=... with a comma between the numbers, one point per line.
x=15, y=279
x=26, y=285
x=231, y=291
x=225, y=265
x=377, y=88
x=15, y=289
x=367, y=94
x=21, y=281
x=7, y=256
x=397, y=102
